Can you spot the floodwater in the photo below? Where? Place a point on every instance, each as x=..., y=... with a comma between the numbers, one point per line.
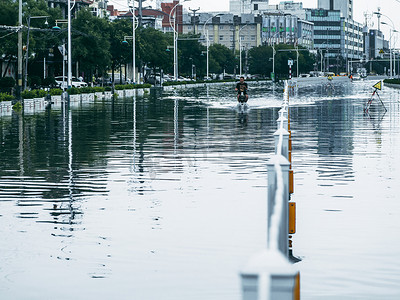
x=164, y=197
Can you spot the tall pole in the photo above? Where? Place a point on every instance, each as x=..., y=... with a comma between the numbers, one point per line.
x=19, y=76
x=208, y=45
x=133, y=46
x=240, y=50
x=206, y=34
x=297, y=54
x=176, y=35
x=69, y=54
x=27, y=53
x=140, y=11
x=240, y=56
x=390, y=52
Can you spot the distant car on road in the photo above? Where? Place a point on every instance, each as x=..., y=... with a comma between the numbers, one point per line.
x=75, y=82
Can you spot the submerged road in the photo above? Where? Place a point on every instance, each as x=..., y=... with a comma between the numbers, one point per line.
x=165, y=197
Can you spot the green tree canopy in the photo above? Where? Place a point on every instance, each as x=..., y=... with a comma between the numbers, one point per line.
x=91, y=43
x=221, y=58
x=260, y=60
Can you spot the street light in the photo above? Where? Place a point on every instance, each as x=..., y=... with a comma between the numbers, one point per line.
x=208, y=40
x=175, y=39
x=27, y=45
x=392, y=30
x=62, y=50
x=379, y=14
x=69, y=52
x=273, y=55
x=240, y=50
x=131, y=5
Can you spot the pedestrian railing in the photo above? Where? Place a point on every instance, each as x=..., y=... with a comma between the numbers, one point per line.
x=270, y=274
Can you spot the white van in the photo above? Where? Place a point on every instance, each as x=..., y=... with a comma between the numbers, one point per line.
x=75, y=82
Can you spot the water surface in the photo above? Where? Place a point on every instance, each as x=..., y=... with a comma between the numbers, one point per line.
x=165, y=197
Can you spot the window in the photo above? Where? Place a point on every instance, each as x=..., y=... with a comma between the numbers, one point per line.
x=255, y=6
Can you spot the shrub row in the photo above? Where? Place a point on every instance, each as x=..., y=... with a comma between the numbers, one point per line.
x=6, y=97
x=392, y=81
x=169, y=83
x=33, y=94
x=132, y=86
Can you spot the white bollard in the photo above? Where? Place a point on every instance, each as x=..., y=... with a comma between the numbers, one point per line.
x=285, y=122
x=268, y=275
x=284, y=111
x=272, y=195
x=285, y=142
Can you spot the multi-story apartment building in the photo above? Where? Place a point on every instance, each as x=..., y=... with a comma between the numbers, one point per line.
x=375, y=45
x=229, y=30
x=287, y=29
x=338, y=38
x=238, y=7
x=344, y=6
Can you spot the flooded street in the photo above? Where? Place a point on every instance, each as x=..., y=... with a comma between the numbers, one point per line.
x=165, y=197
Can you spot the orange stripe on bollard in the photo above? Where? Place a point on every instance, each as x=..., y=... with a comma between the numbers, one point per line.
x=291, y=179
x=296, y=290
x=292, y=217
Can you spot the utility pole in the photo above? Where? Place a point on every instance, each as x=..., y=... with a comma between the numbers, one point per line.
x=19, y=76
x=194, y=18
x=140, y=11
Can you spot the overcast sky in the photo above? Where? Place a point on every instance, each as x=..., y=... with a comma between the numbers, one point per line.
x=390, y=8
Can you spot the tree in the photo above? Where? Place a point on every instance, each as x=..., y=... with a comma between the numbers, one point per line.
x=190, y=54
x=91, y=46
x=261, y=60
x=119, y=51
x=151, y=48
x=221, y=59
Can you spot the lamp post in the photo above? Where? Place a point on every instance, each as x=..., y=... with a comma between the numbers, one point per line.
x=240, y=50
x=176, y=34
x=19, y=77
x=379, y=14
x=69, y=51
x=62, y=50
x=131, y=5
x=208, y=41
x=27, y=46
x=392, y=63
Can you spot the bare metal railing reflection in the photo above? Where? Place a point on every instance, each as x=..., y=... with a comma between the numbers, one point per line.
x=270, y=273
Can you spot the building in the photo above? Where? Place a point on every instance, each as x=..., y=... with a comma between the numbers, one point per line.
x=239, y=7
x=344, y=6
x=338, y=39
x=229, y=30
x=167, y=7
x=375, y=45
x=288, y=7
x=279, y=28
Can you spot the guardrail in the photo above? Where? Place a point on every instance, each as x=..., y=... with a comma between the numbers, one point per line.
x=270, y=274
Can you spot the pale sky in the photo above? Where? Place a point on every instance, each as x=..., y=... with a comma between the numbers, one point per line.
x=390, y=8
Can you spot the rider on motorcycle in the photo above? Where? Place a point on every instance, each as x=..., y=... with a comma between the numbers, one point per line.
x=241, y=87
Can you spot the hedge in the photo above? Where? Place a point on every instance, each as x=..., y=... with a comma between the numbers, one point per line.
x=6, y=97
x=132, y=86
x=392, y=81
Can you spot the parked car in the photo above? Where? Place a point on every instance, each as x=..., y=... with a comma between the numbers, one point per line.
x=75, y=82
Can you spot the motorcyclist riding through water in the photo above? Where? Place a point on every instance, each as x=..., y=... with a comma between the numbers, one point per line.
x=241, y=88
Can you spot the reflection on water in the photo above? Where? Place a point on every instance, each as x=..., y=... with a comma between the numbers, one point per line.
x=165, y=197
